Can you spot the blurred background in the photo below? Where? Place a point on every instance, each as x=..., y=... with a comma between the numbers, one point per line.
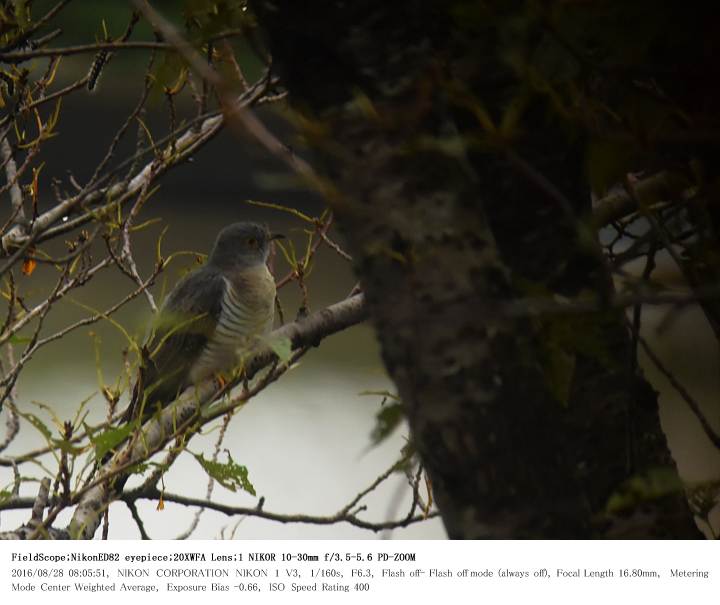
x=306, y=439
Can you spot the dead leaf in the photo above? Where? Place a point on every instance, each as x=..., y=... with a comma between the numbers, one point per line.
x=28, y=266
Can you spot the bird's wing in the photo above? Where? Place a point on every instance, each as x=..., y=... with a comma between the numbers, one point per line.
x=181, y=331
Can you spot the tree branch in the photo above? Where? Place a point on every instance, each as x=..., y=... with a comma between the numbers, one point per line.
x=694, y=406
x=342, y=516
x=119, y=193
x=620, y=203
x=94, y=499
x=16, y=198
x=347, y=514
x=37, y=25
x=236, y=114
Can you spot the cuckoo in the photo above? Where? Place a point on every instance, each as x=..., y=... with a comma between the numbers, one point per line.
x=213, y=313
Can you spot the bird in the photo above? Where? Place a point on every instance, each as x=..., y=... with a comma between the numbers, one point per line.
x=210, y=315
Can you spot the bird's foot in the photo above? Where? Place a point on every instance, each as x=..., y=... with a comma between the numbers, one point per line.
x=221, y=381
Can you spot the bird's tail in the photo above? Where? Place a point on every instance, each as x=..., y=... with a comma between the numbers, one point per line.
x=133, y=407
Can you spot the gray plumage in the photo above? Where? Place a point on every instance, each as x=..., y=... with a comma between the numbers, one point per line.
x=209, y=315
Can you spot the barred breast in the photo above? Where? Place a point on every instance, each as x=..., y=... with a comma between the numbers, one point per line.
x=247, y=311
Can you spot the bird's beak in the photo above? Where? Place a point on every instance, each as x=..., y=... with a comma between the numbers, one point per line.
x=277, y=236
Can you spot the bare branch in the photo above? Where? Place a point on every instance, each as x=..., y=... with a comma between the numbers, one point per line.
x=683, y=392
x=80, y=49
x=347, y=514
x=127, y=254
x=211, y=481
x=40, y=23
x=41, y=308
x=620, y=203
x=142, y=287
x=40, y=502
x=12, y=425
x=236, y=114
x=26, y=55
x=380, y=479
x=335, y=246
x=138, y=519
x=118, y=194
x=16, y=198
x=94, y=499
x=339, y=517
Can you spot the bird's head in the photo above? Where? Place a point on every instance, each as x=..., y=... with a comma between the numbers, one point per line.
x=241, y=245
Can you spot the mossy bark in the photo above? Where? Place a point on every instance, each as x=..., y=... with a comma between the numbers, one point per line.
x=450, y=216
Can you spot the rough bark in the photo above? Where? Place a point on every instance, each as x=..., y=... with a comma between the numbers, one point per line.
x=446, y=225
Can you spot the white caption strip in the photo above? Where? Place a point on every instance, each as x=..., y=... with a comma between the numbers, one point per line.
x=355, y=571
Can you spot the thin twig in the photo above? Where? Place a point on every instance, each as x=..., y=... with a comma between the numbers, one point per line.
x=342, y=516
x=211, y=482
x=12, y=423
x=142, y=287
x=118, y=194
x=16, y=198
x=125, y=126
x=663, y=235
x=236, y=114
x=619, y=203
x=40, y=23
x=27, y=55
x=41, y=307
x=40, y=502
x=127, y=254
x=180, y=417
x=373, y=486
x=10, y=379
x=682, y=391
x=336, y=247
x=138, y=520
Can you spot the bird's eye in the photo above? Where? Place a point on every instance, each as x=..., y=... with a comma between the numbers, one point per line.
x=252, y=242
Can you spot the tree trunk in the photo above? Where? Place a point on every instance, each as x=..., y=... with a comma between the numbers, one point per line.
x=461, y=193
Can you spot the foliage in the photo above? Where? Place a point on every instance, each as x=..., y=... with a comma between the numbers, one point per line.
x=230, y=474
x=629, y=88
x=200, y=63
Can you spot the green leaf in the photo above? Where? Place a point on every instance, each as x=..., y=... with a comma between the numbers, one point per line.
x=230, y=475
x=655, y=484
x=282, y=347
x=107, y=440
x=5, y=495
x=19, y=340
x=165, y=75
x=137, y=469
x=66, y=446
x=386, y=421
x=205, y=18
x=22, y=13
x=38, y=424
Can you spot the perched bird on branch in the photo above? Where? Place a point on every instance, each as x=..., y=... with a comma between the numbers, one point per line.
x=211, y=314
